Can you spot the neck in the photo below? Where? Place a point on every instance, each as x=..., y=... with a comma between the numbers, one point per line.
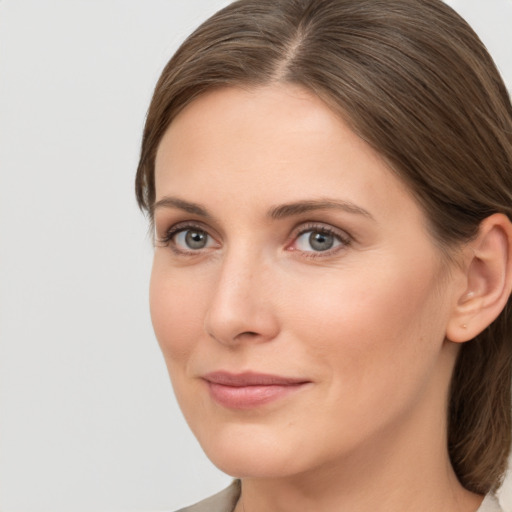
x=384, y=481
x=362, y=488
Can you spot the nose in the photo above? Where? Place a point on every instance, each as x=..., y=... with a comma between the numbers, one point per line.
x=241, y=308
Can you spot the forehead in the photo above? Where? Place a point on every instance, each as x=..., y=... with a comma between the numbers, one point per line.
x=250, y=115
x=280, y=143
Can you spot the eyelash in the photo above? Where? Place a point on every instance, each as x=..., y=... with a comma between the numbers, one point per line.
x=342, y=237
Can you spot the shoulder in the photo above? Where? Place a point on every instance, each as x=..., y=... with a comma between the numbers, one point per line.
x=490, y=504
x=223, y=501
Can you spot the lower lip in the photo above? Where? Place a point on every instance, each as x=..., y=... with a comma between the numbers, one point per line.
x=248, y=397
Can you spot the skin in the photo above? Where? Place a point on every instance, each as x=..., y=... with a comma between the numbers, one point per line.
x=363, y=322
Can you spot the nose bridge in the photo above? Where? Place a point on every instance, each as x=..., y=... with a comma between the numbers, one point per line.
x=240, y=306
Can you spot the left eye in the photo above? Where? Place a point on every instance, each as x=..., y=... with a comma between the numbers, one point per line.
x=317, y=241
x=192, y=239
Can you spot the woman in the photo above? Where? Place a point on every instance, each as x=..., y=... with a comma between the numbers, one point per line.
x=330, y=185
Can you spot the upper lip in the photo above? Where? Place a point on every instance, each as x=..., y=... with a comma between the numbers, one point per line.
x=251, y=379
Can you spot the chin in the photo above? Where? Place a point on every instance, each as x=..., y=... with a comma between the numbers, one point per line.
x=244, y=452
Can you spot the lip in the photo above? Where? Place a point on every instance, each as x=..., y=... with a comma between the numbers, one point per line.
x=250, y=389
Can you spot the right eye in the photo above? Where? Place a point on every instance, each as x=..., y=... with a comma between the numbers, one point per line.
x=186, y=239
x=192, y=239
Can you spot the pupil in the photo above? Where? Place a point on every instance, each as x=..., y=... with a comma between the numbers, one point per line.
x=321, y=241
x=195, y=239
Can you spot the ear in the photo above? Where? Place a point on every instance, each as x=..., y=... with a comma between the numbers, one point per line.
x=488, y=279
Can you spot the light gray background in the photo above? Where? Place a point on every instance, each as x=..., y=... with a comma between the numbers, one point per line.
x=87, y=419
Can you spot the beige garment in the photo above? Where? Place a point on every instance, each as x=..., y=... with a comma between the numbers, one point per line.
x=225, y=501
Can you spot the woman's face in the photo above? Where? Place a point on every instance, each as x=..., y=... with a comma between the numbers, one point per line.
x=298, y=298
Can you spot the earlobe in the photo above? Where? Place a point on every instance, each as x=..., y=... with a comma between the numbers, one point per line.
x=488, y=268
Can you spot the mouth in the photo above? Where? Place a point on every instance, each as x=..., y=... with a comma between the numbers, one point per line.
x=248, y=390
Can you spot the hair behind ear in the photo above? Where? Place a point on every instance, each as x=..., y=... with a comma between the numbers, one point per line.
x=479, y=411
x=480, y=408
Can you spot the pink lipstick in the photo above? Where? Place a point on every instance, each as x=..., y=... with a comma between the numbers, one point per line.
x=247, y=390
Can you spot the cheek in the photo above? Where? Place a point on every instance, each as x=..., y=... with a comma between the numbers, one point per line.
x=177, y=305
x=381, y=324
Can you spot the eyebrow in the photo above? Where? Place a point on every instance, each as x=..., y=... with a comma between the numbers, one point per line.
x=276, y=212
x=180, y=204
x=299, y=207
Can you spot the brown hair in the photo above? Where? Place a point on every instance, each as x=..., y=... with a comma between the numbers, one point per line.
x=414, y=81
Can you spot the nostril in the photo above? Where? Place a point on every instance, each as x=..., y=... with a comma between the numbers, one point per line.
x=247, y=334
